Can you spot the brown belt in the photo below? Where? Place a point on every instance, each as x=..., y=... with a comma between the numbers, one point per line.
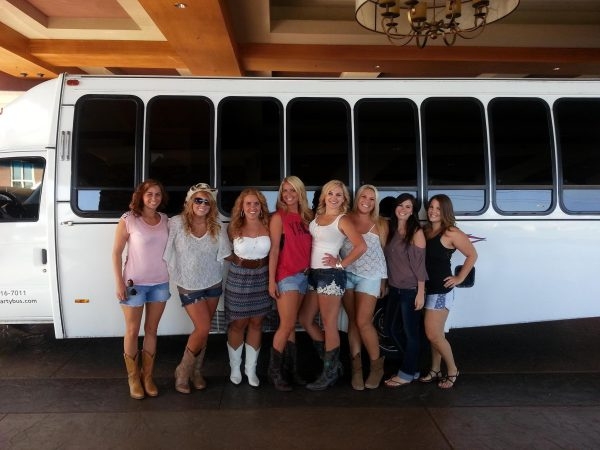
x=249, y=263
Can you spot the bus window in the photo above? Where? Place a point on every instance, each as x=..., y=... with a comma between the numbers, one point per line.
x=387, y=144
x=106, y=153
x=318, y=140
x=455, y=147
x=179, y=143
x=578, y=137
x=250, y=146
x=521, y=148
x=20, y=188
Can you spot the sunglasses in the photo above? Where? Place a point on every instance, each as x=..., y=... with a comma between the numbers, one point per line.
x=201, y=201
x=132, y=290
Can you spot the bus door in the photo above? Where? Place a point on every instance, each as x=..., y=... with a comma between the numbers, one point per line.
x=26, y=238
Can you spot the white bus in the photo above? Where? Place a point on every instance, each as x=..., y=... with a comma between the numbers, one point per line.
x=519, y=158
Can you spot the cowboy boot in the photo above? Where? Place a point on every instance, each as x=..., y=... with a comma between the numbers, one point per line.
x=274, y=374
x=147, y=369
x=133, y=376
x=197, y=378
x=250, y=366
x=375, y=374
x=330, y=373
x=235, y=361
x=358, y=383
x=290, y=364
x=183, y=372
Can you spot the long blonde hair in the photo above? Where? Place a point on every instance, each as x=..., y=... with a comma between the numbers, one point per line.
x=303, y=209
x=344, y=208
x=238, y=218
x=374, y=214
x=213, y=226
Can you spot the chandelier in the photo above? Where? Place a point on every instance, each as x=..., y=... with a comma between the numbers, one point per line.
x=403, y=21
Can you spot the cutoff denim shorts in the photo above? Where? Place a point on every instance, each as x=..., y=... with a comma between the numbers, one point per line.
x=440, y=301
x=138, y=295
x=298, y=282
x=370, y=286
x=327, y=281
x=203, y=294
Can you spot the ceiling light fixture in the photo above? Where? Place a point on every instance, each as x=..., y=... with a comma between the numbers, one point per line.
x=404, y=21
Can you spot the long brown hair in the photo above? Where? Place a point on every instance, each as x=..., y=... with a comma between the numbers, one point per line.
x=238, y=218
x=137, y=199
x=447, y=218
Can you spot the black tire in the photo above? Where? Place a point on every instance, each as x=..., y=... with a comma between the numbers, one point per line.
x=386, y=346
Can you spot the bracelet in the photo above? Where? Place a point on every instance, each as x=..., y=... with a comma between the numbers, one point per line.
x=338, y=265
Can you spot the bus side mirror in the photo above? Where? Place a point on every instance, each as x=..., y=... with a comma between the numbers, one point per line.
x=469, y=280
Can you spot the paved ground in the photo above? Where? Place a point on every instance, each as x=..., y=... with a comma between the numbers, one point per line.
x=534, y=386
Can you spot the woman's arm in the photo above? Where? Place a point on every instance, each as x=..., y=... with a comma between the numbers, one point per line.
x=463, y=244
x=121, y=237
x=358, y=243
x=419, y=242
x=275, y=232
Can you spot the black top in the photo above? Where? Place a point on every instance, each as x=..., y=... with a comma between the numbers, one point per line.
x=437, y=262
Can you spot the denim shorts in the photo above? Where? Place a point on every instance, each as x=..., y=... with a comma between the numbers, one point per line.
x=146, y=294
x=192, y=297
x=371, y=286
x=327, y=281
x=440, y=301
x=298, y=282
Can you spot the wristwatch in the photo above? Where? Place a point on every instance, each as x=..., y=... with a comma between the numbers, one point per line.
x=338, y=265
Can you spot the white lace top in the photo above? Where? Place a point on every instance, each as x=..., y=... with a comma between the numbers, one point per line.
x=326, y=239
x=371, y=264
x=195, y=262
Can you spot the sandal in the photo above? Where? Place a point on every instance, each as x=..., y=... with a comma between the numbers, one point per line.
x=395, y=382
x=433, y=375
x=448, y=379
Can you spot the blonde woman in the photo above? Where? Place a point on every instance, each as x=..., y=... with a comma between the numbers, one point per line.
x=329, y=229
x=289, y=261
x=195, y=252
x=365, y=283
x=247, y=299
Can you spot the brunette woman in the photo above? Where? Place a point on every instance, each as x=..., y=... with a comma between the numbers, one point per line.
x=289, y=260
x=365, y=283
x=143, y=281
x=443, y=239
x=327, y=276
x=195, y=251
x=247, y=299
x=405, y=256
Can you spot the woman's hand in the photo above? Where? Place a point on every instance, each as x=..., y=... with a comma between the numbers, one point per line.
x=419, y=300
x=451, y=282
x=329, y=260
x=273, y=291
x=121, y=291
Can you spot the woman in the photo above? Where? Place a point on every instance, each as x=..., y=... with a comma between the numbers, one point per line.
x=247, y=299
x=142, y=281
x=195, y=252
x=405, y=256
x=327, y=276
x=443, y=239
x=365, y=283
x=289, y=260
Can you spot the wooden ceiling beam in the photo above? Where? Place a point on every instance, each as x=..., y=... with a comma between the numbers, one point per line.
x=144, y=54
x=16, y=58
x=200, y=34
x=438, y=61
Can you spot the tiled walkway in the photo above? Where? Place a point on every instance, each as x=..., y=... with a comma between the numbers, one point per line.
x=523, y=386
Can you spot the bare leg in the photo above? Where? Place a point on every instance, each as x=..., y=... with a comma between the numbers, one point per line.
x=306, y=316
x=365, y=307
x=288, y=305
x=349, y=302
x=201, y=314
x=440, y=347
x=133, y=320
x=330, y=305
x=154, y=311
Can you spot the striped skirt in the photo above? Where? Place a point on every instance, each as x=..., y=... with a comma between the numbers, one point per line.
x=247, y=293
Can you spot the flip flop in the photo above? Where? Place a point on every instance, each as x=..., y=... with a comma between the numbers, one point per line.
x=395, y=383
